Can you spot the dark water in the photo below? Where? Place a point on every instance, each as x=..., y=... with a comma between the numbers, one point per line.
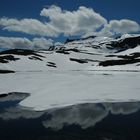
x=101, y=121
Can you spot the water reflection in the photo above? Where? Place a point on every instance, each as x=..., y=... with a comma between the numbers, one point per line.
x=87, y=115
x=101, y=121
x=9, y=108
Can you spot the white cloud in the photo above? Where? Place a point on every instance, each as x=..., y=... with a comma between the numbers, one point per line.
x=58, y=22
x=120, y=27
x=78, y=22
x=42, y=42
x=15, y=42
x=124, y=26
x=82, y=21
x=24, y=43
x=29, y=26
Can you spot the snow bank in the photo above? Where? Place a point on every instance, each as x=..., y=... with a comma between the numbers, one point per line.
x=56, y=89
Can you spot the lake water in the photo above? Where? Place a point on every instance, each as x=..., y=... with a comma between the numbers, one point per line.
x=97, y=121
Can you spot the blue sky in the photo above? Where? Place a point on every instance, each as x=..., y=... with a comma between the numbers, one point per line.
x=107, y=9
x=110, y=9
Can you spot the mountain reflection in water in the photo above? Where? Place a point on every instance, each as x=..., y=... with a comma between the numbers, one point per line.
x=97, y=121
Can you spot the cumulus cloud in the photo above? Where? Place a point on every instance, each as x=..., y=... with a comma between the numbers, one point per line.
x=82, y=21
x=42, y=42
x=123, y=26
x=120, y=27
x=58, y=21
x=78, y=22
x=24, y=43
x=29, y=26
x=13, y=42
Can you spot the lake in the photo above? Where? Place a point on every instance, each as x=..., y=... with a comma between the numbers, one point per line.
x=94, y=121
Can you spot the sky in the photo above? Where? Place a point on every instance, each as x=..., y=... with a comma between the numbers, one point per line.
x=41, y=23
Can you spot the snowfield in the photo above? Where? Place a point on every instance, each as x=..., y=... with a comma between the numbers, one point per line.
x=84, y=71
x=55, y=89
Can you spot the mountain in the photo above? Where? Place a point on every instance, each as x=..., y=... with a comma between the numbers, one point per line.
x=91, y=53
x=92, y=69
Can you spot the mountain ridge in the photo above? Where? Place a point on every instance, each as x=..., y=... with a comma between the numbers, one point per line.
x=90, y=53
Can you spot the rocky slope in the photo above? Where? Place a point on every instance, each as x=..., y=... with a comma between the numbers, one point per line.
x=91, y=53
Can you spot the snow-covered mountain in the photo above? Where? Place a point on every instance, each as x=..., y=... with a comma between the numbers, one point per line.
x=74, y=72
x=91, y=53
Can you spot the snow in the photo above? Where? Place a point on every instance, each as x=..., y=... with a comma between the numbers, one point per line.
x=130, y=51
x=129, y=36
x=72, y=82
x=54, y=89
